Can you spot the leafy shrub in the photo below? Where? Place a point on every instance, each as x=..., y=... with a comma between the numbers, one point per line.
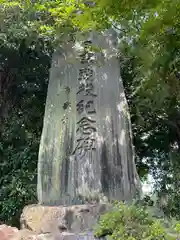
x=18, y=154
x=131, y=222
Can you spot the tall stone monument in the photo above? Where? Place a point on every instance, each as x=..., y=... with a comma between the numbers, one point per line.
x=86, y=152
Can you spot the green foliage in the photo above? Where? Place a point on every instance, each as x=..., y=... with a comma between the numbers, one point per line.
x=133, y=223
x=156, y=135
x=21, y=124
x=18, y=166
x=150, y=70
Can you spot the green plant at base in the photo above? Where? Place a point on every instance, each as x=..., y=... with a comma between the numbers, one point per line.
x=130, y=222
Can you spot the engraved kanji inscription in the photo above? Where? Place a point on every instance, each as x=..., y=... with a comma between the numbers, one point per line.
x=85, y=144
x=80, y=106
x=85, y=126
x=88, y=107
x=86, y=78
x=85, y=74
x=89, y=90
x=87, y=57
x=87, y=43
x=81, y=88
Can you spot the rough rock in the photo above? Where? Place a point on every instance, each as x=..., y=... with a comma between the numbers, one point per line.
x=11, y=233
x=6, y=232
x=60, y=236
x=47, y=219
x=30, y=235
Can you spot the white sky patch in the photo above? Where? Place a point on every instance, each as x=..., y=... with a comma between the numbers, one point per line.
x=147, y=186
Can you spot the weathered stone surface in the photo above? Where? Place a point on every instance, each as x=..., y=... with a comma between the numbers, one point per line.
x=25, y=235
x=79, y=236
x=11, y=233
x=86, y=150
x=77, y=218
x=7, y=232
x=30, y=235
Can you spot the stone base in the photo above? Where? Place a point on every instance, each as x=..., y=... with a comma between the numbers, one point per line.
x=73, y=219
x=11, y=233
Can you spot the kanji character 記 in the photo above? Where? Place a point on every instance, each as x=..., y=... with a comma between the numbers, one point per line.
x=80, y=106
x=90, y=109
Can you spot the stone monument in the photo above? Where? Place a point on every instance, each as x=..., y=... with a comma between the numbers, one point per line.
x=86, y=156
x=86, y=153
